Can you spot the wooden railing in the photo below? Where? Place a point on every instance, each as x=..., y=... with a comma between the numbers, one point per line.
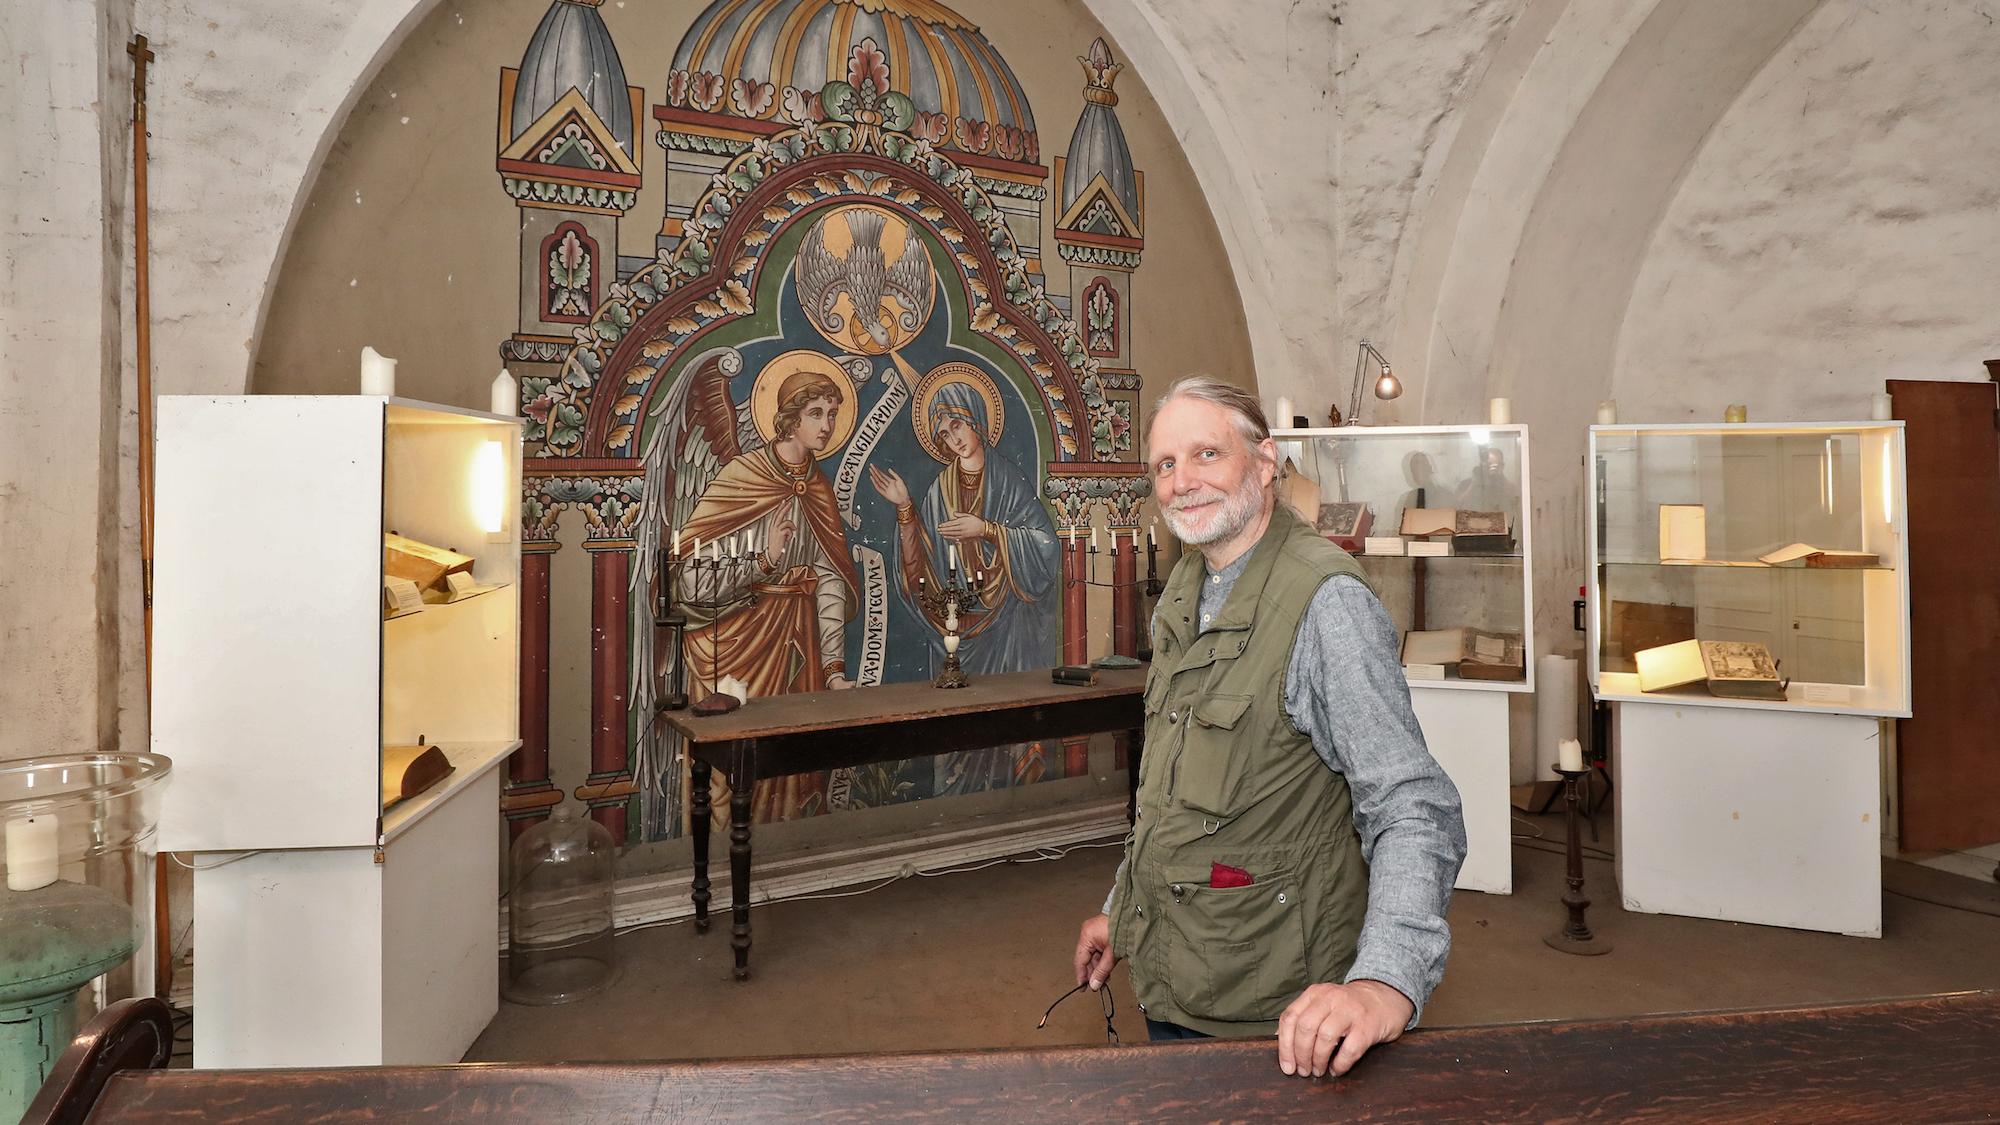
x=1930, y=1059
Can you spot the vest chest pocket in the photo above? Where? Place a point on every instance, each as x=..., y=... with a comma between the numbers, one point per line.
x=1213, y=759
x=1237, y=953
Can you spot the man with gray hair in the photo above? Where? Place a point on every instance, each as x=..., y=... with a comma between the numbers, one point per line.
x=1296, y=843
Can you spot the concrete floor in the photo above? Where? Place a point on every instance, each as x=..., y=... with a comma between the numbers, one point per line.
x=971, y=959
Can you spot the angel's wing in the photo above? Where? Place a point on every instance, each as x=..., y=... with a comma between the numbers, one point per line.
x=912, y=282
x=700, y=429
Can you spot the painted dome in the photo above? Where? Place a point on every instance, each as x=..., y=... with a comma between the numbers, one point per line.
x=768, y=60
x=572, y=49
x=1098, y=147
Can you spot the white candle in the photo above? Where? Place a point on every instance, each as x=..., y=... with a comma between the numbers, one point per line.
x=1569, y=755
x=677, y=542
x=1149, y=532
x=951, y=555
x=1499, y=411
x=1881, y=407
x=1093, y=540
x=378, y=373
x=506, y=394
x=1284, y=418
x=732, y=547
x=1607, y=412
x=697, y=546
x=31, y=852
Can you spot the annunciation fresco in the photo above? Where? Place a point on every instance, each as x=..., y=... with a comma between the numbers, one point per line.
x=838, y=369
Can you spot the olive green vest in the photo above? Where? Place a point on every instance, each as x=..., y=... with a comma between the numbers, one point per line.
x=1226, y=778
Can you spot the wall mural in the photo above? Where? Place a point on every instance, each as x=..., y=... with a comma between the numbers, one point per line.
x=843, y=369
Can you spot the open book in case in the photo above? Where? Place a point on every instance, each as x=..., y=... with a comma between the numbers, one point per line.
x=1436, y=516
x=286, y=671
x=1750, y=566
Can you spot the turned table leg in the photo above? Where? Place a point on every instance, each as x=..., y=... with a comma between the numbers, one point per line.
x=742, y=783
x=698, y=777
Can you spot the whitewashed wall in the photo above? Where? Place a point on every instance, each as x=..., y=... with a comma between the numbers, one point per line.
x=1678, y=203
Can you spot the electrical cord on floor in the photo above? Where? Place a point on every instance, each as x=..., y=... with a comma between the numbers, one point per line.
x=1039, y=855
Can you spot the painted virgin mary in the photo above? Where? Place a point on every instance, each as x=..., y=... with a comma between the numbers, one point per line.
x=984, y=510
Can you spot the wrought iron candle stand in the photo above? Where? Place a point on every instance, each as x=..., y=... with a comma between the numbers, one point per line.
x=667, y=618
x=1575, y=936
x=1150, y=586
x=717, y=702
x=950, y=598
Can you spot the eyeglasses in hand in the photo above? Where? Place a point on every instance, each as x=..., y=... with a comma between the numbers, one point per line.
x=1110, y=1010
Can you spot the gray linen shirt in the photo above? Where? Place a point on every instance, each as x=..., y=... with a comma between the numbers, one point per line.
x=1344, y=689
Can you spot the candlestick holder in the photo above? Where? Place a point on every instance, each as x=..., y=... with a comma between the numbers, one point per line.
x=950, y=598
x=669, y=623
x=1575, y=936
x=1150, y=586
x=717, y=701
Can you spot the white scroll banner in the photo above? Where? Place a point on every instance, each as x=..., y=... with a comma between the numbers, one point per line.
x=874, y=653
x=870, y=431
x=874, y=616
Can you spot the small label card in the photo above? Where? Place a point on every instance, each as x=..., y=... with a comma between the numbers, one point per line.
x=401, y=596
x=1382, y=545
x=1827, y=693
x=1427, y=549
x=1423, y=671
x=460, y=584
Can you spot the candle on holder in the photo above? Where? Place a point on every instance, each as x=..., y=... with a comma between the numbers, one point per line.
x=951, y=554
x=1093, y=540
x=1284, y=419
x=1569, y=755
x=31, y=852
x=1607, y=412
x=1499, y=412
x=378, y=372
x=1881, y=407
x=506, y=394
x=677, y=542
x=1150, y=527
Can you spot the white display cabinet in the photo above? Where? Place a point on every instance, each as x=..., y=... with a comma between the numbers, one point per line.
x=1481, y=589
x=1751, y=809
x=329, y=931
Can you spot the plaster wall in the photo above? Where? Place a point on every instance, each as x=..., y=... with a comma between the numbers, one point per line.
x=1790, y=189
x=61, y=310
x=1836, y=231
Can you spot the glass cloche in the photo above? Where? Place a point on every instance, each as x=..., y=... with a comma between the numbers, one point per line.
x=559, y=911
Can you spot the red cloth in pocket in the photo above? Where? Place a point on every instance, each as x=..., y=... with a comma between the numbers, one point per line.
x=1223, y=875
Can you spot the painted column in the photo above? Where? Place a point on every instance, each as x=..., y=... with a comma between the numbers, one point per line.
x=609, y=785
x=529, y=793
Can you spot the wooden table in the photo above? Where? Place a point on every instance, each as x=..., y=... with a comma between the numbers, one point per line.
x=780, y=735
x=1927, y=1059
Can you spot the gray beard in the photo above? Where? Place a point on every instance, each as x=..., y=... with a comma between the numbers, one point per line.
x=1238, y=509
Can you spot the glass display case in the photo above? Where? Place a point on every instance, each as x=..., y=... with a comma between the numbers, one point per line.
x=1750, y=566
x=1435, y=516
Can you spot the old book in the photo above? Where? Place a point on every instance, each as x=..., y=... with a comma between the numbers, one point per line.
x=1493, y=656
x=1383, y=545
x=409, y=770
x=1742, y=670
x=1468, y=522
x=1429, y=548
x=1430, y=521
x=1683, y=532
x=1482, y=533
x=1819, y=558
x=1670, y=666
x=1346, y=523
x=420, y=562
x=1434, y=646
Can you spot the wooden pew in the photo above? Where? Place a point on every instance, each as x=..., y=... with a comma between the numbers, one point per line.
x=1929, y=1059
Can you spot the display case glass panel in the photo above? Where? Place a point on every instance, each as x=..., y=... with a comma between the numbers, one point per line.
x=1736, y=541
x=1435, y=517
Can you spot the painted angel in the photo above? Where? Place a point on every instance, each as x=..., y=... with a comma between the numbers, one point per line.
x=770, y=599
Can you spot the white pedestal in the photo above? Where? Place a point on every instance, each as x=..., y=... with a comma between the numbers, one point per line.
x=1466, y=730
x=330, y=957
x=1750, y=815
